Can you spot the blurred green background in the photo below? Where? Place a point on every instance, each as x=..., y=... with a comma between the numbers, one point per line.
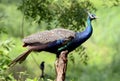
x=103, y=48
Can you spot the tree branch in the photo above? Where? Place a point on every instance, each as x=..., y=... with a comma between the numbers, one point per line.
x=61, y=66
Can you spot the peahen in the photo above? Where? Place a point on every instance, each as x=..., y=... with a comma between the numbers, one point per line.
x=55, y=40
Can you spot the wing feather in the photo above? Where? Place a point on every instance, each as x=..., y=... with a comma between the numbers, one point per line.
x=49, y=36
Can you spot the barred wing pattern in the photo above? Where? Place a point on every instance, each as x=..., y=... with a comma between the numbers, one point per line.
x=49, y=36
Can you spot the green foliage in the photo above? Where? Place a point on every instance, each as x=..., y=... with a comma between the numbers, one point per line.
x=5, y=47
x=11, y=22
x=10, y=1
x=69, y=14
x=35, y=79
x=2, y=24
x=112, y=3
x=82, y=55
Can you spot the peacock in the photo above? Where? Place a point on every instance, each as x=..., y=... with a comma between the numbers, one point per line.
x=55, y=40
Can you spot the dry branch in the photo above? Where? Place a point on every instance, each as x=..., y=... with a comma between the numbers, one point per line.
x=61, y=66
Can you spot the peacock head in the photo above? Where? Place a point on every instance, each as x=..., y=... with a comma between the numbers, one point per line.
x=91, y=16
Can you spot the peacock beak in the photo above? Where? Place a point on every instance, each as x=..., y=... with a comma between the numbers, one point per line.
x=96, y=17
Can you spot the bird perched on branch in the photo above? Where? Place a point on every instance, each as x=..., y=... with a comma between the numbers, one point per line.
x=55, y=40
x=42, y=67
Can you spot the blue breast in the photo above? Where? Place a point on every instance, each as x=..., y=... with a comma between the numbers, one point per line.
x=78, y=40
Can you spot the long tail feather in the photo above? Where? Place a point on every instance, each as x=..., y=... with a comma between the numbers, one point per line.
x=20, y=58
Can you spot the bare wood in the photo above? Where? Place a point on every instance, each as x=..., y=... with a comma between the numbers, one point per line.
x=61, y=66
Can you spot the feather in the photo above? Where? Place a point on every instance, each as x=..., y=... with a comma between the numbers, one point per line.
x=20, y=58
x=48, y=36
x=24, y=55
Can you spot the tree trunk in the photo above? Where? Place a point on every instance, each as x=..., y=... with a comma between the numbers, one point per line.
x=61, y=66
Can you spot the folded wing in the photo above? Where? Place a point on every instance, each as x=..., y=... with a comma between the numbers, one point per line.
x=48, y=36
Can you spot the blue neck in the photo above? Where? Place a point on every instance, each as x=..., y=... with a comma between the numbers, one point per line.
x=88, y=31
